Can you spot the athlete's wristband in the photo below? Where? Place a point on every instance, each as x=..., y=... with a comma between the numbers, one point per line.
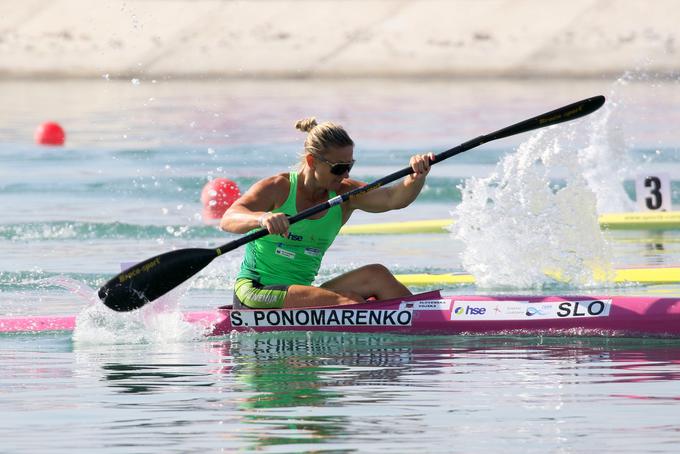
x=260, y=220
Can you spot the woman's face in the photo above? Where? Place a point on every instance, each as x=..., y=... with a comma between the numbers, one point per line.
x=325, y=166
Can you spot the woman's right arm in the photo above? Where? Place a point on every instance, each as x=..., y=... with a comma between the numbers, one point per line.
x=252, y=209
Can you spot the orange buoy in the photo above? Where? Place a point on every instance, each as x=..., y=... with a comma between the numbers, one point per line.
x=218, y=195
x=50, y=133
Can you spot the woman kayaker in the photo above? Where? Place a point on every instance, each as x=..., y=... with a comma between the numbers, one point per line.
x=278, y=270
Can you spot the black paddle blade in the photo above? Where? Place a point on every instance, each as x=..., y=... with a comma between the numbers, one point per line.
x=147, y=280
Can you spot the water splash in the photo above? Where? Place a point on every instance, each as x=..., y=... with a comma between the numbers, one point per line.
x=605, y=162
x=158, y=322
x=76, y=287
x=99, y=325
x=522, y=231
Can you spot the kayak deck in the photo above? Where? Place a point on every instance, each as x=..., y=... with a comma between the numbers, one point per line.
x=33, y=324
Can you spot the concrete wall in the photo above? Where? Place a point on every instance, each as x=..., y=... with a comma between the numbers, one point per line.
x=337, y=38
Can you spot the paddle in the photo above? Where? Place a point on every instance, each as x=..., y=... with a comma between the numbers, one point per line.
x=147, y=280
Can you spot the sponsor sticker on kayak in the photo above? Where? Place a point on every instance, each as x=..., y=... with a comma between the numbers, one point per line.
x=528, y=310
x=427, y=305
x=322, y=317
x=587, y=308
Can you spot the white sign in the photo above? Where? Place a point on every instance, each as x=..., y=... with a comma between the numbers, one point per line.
x=427, y=305
x=528, y=310
x=322, y=317
x=653, y=192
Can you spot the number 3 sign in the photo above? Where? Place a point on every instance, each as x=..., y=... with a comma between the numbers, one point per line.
x=653, y=192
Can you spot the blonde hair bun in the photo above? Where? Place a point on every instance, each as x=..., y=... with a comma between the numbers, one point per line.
x=306, y=124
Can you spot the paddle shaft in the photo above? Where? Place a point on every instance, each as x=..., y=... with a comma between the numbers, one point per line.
x=156, y=276
x=566, y=113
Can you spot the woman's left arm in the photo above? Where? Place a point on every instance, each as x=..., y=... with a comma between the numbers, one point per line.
x=399, y=195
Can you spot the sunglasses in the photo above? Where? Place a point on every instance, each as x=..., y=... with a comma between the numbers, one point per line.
x=337, y=168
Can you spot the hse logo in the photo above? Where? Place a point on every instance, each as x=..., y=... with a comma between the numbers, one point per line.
x=469, y=310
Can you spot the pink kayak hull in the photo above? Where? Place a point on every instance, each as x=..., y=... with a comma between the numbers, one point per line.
x=431, y=313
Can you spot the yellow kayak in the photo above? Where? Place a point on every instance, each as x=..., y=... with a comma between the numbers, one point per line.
x=625, y=275
x=669, y=220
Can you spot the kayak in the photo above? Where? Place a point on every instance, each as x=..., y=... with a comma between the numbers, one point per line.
x=430, y=313
x=667, y=220
x=648, y=276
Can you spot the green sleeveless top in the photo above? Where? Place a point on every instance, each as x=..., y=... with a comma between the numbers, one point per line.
x=274, y=260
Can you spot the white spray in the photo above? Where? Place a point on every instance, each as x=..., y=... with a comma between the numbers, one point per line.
x=520, y=231
x=160, y=322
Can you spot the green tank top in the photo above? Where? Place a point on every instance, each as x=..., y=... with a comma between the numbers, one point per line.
x=274, y=260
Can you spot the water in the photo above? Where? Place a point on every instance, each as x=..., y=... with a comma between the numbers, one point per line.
x=127, y=187
x=342, y=393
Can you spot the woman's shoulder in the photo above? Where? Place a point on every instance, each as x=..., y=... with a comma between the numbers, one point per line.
x=275, y=187
x=277, y=182
x=271, y=191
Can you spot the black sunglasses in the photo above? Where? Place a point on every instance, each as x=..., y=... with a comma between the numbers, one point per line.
x=337, y=168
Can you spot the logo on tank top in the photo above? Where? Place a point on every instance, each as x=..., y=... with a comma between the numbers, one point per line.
x=284, y=253
x=313, y=252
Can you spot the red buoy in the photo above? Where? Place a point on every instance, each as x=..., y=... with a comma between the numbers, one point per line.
x=50, y=133
x=218, y=195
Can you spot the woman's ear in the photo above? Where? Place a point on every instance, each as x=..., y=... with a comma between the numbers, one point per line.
x=309, y=160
